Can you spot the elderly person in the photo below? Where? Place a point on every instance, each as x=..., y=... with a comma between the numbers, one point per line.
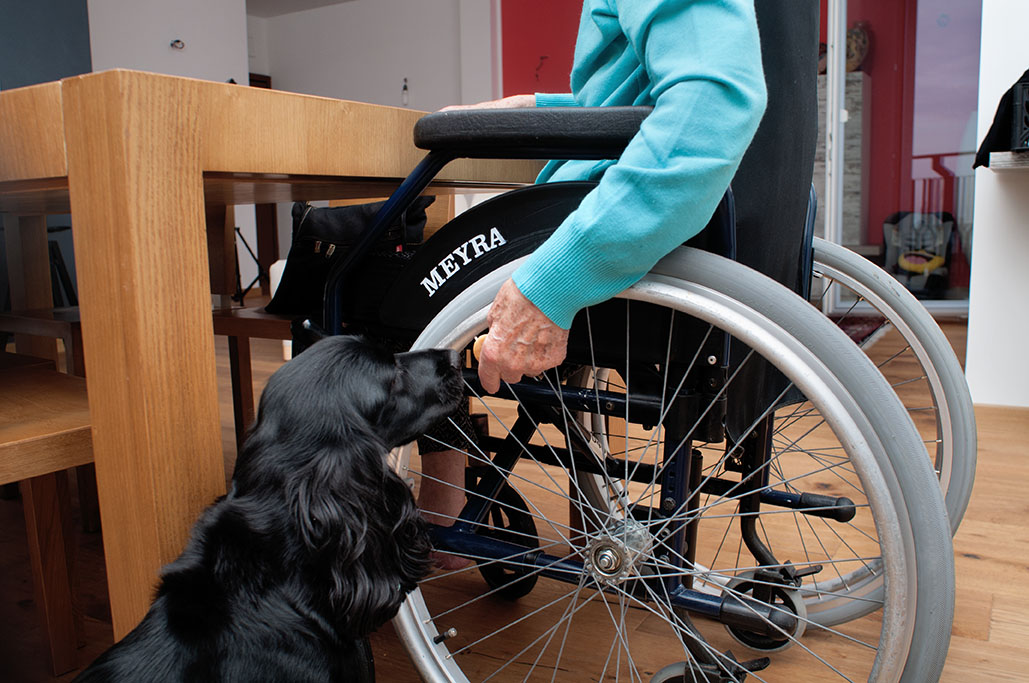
x=698, y=63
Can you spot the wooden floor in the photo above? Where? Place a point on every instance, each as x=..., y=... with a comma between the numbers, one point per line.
x=992, y=547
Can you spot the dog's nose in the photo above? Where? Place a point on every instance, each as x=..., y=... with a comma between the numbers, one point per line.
x=453, y=359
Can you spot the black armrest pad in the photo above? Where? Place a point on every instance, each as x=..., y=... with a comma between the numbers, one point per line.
x=531, y=133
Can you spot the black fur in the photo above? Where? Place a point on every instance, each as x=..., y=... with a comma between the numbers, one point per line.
x=318, y=541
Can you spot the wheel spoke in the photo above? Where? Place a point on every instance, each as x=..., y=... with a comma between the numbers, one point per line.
x=519, y=620
x=565, y=617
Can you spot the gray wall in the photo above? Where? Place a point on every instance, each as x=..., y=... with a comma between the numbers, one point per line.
x=40, y=41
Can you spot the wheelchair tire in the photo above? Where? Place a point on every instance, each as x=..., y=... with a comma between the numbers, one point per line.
x=900, y=531
x=948, y=425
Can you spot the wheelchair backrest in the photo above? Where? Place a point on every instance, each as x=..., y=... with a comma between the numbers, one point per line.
x=773, y=183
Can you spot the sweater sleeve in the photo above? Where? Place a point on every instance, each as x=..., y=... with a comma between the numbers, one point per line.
x=703, y=60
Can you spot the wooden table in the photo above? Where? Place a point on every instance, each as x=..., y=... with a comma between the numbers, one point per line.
x=136, y=157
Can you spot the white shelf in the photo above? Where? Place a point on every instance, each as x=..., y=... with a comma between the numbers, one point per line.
x=1009, y=161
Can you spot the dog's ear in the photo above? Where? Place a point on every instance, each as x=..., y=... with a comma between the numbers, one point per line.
x=396, y=556
x=325, y=496
x=362, y=531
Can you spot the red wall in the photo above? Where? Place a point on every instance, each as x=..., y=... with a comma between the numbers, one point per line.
x=538, y=42
x=538, y=38
x=888, y=107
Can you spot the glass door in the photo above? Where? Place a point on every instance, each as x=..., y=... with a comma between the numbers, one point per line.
x=895, y=183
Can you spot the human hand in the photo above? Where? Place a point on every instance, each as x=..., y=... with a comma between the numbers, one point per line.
x=521, y=340
x=512, y=102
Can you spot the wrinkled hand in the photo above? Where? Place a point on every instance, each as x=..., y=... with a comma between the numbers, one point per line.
x=512, y=102
x=521, y=340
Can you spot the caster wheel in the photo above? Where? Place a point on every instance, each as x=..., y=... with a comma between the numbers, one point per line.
x=782, y=598
x=509, y=520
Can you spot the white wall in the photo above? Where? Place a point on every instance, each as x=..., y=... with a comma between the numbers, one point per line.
x=480, y=61
x=997, y=363
x=364, y=49
x=449, y=50
x=257, y=45
x=136, y=34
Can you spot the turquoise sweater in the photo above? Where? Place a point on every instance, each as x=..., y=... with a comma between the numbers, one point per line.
x=698, y=62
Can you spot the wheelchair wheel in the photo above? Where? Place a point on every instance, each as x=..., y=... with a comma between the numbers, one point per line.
x=925, y=364
x=639, y=559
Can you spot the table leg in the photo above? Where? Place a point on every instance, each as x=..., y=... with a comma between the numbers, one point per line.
x=221, y=248
x=242, y=386
x=134, y=176
x=267, y=221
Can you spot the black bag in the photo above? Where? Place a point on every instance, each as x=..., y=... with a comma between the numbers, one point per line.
x=1008, y=124
x=322, y=236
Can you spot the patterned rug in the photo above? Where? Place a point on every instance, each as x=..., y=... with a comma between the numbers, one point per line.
x=865, y=330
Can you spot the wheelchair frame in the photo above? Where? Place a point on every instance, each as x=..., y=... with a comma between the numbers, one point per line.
x=680, y=479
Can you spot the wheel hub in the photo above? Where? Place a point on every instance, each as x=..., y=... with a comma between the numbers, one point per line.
x=615, y=552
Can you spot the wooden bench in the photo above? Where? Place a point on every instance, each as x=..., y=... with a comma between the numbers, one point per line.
x=44, y=422
x=45, y=430
x=63, y=324
x=238, y=324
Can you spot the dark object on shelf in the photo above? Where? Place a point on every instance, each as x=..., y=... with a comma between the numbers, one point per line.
x=1006, y=124
x=1020, y=117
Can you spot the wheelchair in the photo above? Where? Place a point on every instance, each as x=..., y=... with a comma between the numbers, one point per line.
x=716, y=485
x=925, y=364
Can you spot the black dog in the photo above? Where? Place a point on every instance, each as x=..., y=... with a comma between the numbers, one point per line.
x=318, y=541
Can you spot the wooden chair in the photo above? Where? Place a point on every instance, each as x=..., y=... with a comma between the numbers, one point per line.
x=240, y=325
x=44, y=431
x=63, y=324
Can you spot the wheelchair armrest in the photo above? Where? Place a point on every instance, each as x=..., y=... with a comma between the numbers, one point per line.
x=531, y=133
